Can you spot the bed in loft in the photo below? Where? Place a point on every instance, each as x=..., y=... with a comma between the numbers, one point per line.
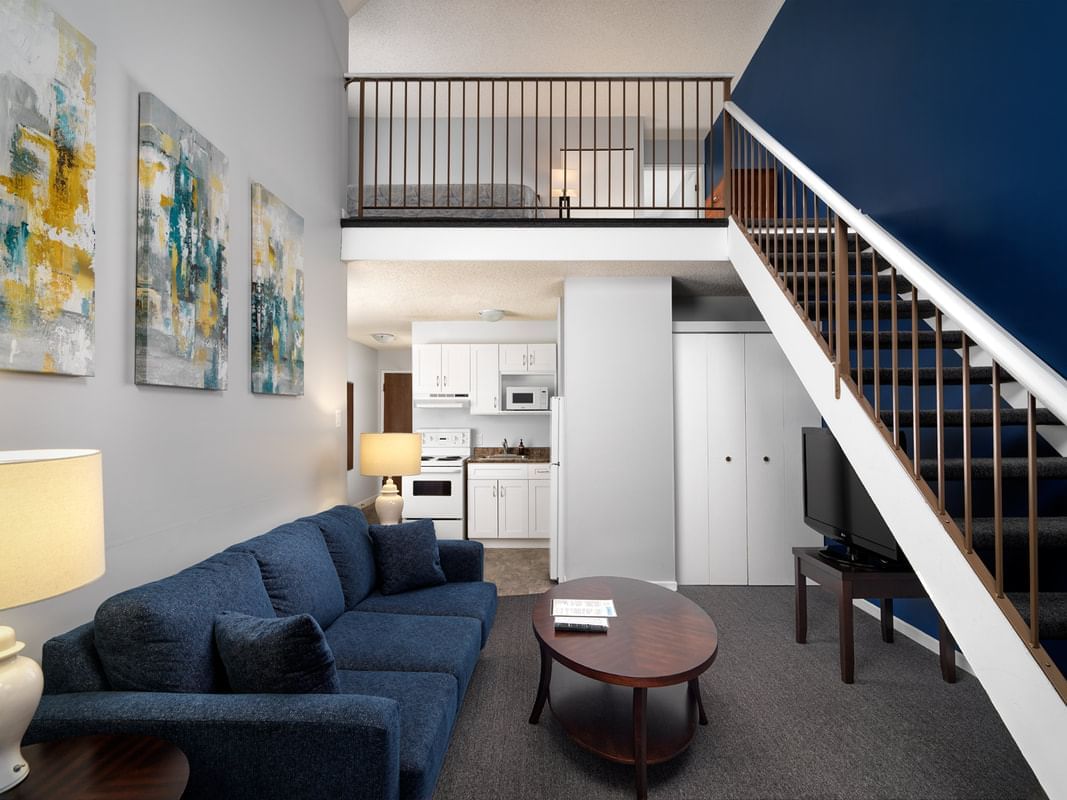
x=449, y=201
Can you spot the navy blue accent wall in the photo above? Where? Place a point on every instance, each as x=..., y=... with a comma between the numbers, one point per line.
x=945, y=121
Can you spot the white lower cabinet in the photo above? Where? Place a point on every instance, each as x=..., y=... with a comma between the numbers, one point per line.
x=507, y=501
x=739, y=408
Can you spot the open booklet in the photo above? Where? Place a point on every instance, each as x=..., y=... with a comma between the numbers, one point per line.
x=583, y=608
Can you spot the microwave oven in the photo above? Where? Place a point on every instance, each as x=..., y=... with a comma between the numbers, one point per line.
x=526, y=398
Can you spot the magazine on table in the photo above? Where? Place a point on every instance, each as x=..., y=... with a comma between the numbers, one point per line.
x=583, y=608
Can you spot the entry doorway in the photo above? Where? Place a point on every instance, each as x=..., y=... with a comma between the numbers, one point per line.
x=394, y=410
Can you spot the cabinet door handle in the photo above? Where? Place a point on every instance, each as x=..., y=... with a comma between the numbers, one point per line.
x=494, y=401
x=524, y=359
x=533, y=358
x=729, y=459
x=494, y=491
x=766, y=459
x=446, y=380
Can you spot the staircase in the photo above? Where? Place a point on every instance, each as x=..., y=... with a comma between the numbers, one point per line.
x=913, y=380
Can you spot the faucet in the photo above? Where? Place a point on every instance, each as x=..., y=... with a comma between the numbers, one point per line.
x=507, y=450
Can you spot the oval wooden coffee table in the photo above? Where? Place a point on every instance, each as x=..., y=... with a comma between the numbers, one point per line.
x=660, y=640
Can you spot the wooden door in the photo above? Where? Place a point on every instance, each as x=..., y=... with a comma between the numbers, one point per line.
x=396, y=408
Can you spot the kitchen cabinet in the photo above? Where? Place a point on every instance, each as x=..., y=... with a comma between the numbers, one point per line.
x=739, y=408
x=441, y=369
x=503, y=502
x=521, y=359
x=485, y=378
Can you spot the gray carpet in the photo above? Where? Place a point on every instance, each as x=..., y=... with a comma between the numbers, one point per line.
x=782, y=725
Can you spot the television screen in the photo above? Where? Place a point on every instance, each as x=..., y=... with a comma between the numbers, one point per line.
x=836, y=503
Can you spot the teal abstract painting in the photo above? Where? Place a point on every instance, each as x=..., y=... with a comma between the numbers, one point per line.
x=183, y=229
x=277, y=296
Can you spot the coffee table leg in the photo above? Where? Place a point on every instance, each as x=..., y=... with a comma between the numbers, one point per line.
x=887, y=620
x=641, y=742
x=694, y=687
x=542, y=687
x=802, y=604
x=845, y=634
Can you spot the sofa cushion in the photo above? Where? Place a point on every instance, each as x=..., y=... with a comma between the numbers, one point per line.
x=275, y=655
x=397, y=642
x=160, y=637
x=471, y=599
x=427, y=712
x=298, y=572
x=406, y=556
x=345, y=531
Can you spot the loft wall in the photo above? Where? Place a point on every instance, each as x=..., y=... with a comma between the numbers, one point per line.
x=188, y=472
x=941, y=121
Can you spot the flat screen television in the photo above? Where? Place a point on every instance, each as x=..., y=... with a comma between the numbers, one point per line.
x=837, y=505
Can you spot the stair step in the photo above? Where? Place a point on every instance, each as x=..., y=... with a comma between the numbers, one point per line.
x=927, y=339
x=885, y=283
x=1051, y=612
x=982, y=468
x=928, y=376
x=885, y=308
x=980, y=418
x=1051, y=532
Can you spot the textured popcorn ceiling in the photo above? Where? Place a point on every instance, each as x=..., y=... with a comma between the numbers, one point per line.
x=389, y=295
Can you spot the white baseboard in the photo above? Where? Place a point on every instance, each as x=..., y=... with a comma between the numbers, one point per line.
x=913, y=633
x=513, y=544
x=672, y=585
x=367, y=501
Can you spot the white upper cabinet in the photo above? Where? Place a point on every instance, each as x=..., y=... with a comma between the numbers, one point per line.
x=441, y=369
x=528, y=358
x=485, y=378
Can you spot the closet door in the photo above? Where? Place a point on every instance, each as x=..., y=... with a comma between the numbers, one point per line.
x=693, y=562
x=727, y=460
x=777, y=408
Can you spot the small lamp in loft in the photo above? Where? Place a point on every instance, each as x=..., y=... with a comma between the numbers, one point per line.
x=51, y=542
x=384, y=455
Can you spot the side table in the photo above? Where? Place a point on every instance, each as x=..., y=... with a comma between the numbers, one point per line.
x=95, y=767
x=850, y=583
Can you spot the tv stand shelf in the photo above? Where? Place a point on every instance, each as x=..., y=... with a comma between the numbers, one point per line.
x=850, y=583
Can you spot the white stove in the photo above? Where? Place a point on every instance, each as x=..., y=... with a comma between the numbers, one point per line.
x=437, y=492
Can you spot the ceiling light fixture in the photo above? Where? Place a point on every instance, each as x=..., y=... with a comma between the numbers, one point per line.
x=383, y=338
x=491, y=315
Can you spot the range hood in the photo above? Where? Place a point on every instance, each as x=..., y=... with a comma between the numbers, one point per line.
x=442, y=400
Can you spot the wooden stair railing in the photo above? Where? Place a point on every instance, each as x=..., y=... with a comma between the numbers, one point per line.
x=933, y=388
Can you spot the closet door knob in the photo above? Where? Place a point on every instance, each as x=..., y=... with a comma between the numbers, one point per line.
x=729, y=459
x=766, y=458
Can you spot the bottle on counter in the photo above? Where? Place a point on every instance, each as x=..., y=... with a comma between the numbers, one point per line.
x=521, y=450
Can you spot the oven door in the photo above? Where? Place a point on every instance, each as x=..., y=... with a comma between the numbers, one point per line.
x=435, y=493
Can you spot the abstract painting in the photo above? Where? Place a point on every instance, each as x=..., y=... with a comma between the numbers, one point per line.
x=183, y=229
x=277, y=296
x=47, y=191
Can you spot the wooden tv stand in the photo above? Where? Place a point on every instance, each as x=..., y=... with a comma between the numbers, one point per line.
x=850, y=583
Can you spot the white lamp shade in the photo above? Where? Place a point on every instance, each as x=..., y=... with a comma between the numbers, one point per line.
x=570, y=175
x=51, y=523
x=384, y=454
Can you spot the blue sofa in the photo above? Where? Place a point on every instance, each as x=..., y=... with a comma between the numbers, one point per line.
x=148, y=664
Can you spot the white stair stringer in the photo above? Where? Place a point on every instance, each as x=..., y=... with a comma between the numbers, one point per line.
x=1029, y=705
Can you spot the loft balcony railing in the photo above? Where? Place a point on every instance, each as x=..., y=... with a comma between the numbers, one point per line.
x=958, y=399
x=535, y=148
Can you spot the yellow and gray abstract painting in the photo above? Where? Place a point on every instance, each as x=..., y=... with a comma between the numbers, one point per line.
x=183, y=230
x=47, y=191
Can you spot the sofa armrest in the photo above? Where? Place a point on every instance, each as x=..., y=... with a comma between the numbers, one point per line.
x=254, y=746
x=462, y=560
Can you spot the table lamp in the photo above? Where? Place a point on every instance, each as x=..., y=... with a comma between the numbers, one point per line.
x=564, y=187
x=384, y=455
x=51, y=541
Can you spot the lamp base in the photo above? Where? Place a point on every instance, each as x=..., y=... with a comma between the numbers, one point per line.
x=21, y=684
x=390, y=505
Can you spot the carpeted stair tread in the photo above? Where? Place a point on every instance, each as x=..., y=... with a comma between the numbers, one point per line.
x=1051, y=533
x=1051, y=612
x=928, y=376
x=982, y=468
x=885, y=284
x=980, y=418
x=885, y=309
x=927, y=339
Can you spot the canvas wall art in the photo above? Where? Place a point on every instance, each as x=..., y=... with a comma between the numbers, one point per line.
x=47, y=191
x=277, y=296
x=183, y=230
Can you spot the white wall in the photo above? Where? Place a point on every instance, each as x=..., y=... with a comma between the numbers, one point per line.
x=488, y=431
x=363, y=374
x=187, y=472
x=558, y=35
x=619, y=434
x=394, y=359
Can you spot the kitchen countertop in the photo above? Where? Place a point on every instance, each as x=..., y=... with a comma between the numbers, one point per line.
x=534, y=455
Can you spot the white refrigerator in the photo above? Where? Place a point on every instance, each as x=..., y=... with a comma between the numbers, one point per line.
x=556, y=466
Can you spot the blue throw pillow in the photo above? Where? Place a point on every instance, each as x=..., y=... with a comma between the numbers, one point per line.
x=406, y=556
x=279, y=655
